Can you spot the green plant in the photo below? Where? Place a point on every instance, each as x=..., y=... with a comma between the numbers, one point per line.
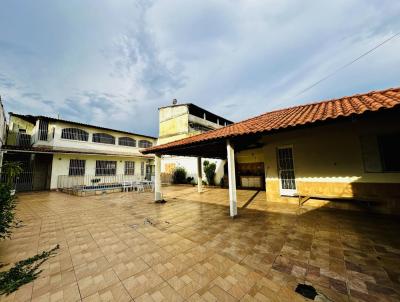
x=23, y=272
x=7, y=210
x=189, y=180
x=209, y=170
x=179, y=175
x=11, y=170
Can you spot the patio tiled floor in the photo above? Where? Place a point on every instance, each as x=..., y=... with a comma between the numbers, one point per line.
x=123, y=247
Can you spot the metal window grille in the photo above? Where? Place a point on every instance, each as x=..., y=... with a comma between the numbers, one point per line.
x=142, y=168
x=286, y=168
x=106, y=167
x=103, y=138
x=76, y=167
x=198, y=127
x=127, y=141
x=75, y=134
x=129, y=168
x=145, y=144
x=43, y=130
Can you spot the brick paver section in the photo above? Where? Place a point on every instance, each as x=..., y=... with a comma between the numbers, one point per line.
x=123, y=247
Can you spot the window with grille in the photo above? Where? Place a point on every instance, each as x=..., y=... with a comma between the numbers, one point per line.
x=103, y=138
x=198, y=127
x=145, y=144
x=75, y=134
x=106, y=167
x=142, y=168
x=129, y=168
x=126, y=141
x=76, y=167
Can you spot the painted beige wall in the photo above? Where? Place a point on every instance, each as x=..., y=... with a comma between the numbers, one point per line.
x=328, y=159
x=16, y=123
x=60, y=165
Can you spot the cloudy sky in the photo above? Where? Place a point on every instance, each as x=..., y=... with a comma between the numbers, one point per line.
x=113, y=63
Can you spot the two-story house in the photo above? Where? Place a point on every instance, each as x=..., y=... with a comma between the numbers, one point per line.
x=53, y=151
x=179, y=121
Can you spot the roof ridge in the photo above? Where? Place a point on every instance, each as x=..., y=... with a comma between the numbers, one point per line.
x=344, y=106
x=319, y=102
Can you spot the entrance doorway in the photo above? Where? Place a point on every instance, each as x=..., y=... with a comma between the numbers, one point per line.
x=287, y=179
x=36, y=170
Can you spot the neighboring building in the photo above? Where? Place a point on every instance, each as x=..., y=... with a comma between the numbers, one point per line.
x=3, y=124
x=3, y=130
x=53, y=150
x=178, y=121
x=341, y=148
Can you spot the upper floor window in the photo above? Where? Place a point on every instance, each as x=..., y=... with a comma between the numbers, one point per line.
x=103, y=138
x=75, y=134
x=127, y=141
x=198, y=127
x=145, y=144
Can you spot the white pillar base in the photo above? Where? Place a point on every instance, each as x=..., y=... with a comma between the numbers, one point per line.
x=199, y=176
x=157, y=179
x=232, y=179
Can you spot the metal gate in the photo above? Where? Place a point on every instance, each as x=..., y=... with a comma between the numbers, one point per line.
x=24, y=181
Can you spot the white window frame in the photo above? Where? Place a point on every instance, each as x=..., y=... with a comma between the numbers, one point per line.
x=284, y=191
x=104, y=170
x=77, y=170
x=129, y=170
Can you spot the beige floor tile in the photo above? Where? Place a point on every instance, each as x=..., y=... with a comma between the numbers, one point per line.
x=122, y=246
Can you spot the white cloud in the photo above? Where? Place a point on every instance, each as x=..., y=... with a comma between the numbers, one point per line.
x=114, y=62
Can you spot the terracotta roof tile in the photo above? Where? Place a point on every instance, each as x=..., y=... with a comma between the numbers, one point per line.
x=295, y=116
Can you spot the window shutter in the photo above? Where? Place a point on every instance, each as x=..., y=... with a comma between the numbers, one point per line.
x=370, y=153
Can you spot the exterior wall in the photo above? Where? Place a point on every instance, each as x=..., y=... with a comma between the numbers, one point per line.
x=173, y=123
x=190, y=165
x=60, y=165
x=16, y=123
x=328, y=161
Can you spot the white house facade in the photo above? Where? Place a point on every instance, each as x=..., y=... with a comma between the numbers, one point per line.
x=57, y=152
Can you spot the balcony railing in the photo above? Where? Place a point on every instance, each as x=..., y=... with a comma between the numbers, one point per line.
x=90, y=184
x=43, y=136
x=19, y=139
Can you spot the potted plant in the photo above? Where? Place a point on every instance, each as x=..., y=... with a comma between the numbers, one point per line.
x=11, y=171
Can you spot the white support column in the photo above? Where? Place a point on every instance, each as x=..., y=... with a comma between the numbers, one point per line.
x=199, y=175
x=157, y=179
x=232, y=178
